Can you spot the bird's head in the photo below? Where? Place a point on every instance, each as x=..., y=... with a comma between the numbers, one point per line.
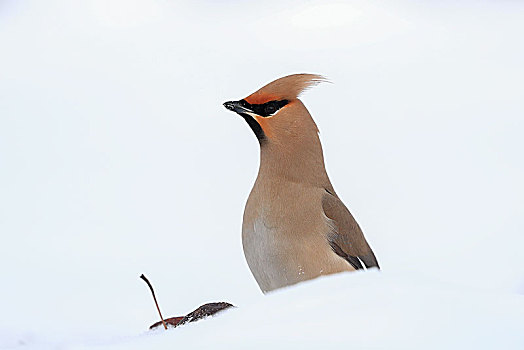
x=275, y=113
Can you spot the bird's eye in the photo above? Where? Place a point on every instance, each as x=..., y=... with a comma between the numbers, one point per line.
x=270, y=109
x=243, y=103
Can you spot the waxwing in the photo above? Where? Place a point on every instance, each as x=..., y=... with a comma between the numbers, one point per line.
x=295, y=227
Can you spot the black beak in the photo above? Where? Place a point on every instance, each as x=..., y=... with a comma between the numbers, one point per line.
x=235, y=106
x=247, y=114
x=230, y=105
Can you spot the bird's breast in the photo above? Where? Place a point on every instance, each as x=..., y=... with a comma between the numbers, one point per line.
x=284, y=236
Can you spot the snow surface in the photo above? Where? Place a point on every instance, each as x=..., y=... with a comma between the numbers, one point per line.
x=117, y=159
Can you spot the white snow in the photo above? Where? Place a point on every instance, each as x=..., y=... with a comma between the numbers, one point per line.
x=117, y=159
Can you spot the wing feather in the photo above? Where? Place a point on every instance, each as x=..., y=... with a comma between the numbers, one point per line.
x=346, y=238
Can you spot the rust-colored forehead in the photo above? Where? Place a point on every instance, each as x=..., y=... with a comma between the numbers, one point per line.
x=285, y=88
x=258, y=98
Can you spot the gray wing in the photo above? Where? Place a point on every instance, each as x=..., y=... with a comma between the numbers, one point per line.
x=346, y=239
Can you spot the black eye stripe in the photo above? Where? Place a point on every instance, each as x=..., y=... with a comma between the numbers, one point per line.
x=265, y=109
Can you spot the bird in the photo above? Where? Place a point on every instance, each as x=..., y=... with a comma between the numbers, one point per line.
x=295, y=227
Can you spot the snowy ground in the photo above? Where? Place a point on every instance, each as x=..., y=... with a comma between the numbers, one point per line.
x=363, y=311
x=117, y=158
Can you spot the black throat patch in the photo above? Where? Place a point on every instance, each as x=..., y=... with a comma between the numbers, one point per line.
x=264, y=110
x=257, y=129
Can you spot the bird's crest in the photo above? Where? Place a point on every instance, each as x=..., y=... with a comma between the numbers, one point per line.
x=285, y=88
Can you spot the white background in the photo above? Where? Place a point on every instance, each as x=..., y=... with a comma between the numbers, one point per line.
x=117, y=157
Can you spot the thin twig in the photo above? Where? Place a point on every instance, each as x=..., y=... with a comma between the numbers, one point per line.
x=154, y=298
